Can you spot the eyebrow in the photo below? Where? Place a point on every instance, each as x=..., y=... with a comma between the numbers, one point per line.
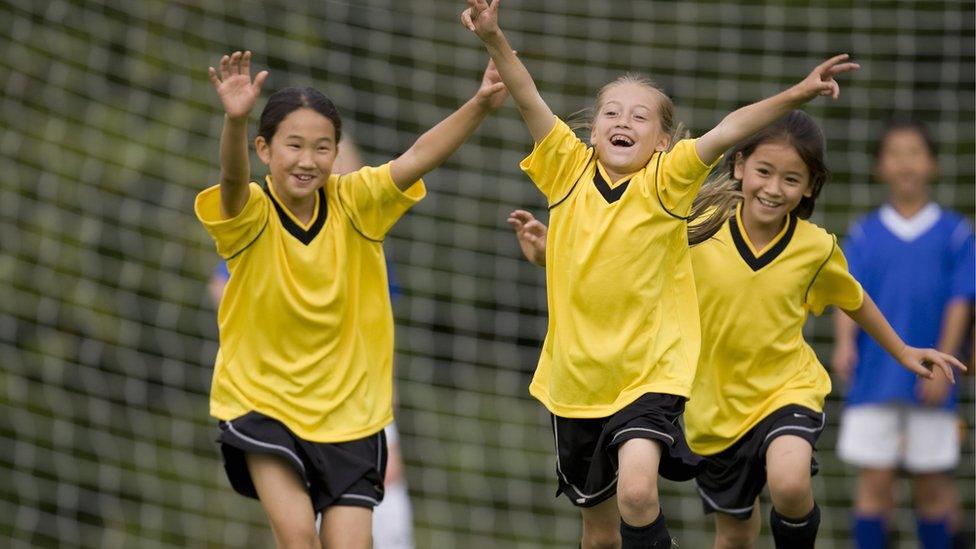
x=618, y=103
x=770, y=164
x=293, y=136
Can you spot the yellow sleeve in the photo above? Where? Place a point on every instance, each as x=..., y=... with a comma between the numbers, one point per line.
x=679, y=176
x=557, y=162
x=235, y=234
x=834, y=285
x=373, y=202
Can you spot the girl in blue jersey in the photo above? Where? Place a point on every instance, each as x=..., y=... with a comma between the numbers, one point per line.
x=622, y=344
x=756, y=408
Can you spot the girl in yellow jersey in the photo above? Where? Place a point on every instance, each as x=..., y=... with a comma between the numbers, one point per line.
x=623, y=336
x=756, y=407
x=303, y=383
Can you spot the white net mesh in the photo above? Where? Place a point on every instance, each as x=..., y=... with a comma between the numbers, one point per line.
x=110, y=128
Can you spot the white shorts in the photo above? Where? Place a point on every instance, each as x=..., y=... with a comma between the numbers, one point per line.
x=886, y=436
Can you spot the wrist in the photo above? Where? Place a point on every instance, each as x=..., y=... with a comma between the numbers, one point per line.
x=238, y=121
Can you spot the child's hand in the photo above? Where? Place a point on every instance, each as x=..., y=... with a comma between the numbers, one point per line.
x=924, y=361
x=821, y=80
x=481, y=18
x=531, y=234
x=492, y=92
x=237, y=93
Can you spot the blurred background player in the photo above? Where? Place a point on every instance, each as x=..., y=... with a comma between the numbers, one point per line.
x=916, y=260
x=393, y=517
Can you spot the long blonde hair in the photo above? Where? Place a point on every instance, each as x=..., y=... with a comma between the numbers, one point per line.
x=716, y=201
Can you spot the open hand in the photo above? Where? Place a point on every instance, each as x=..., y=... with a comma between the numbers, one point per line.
x=481, y=18
x=821, y=81
x=531, y=234
x=234, y=86
x=924, y=361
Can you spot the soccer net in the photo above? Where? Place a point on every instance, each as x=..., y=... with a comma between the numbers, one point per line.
x=110, y=128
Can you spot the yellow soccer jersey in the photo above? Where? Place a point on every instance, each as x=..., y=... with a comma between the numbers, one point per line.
x=753, y=304
x=306, y=327
x=623, y=313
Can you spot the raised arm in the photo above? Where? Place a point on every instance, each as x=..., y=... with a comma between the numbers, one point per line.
x=920, y=361
x=238, y=94
x=481, y=18
x=746, y=121
x=438, y=143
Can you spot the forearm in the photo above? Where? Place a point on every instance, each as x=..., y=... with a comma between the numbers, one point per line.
x=845, y=329
x=235, y=168
x=438, y=143
x=872, y=321
x=955, y=321
x=743, y=122
x=537, y=115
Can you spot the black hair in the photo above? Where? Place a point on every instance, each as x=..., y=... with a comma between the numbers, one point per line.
x=287, y=100
x=801, y=132
x=903, y=123
x=717, y=199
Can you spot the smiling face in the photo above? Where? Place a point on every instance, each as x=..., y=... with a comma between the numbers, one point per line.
x=300, y=155
x=774, y=180
x=627, y=129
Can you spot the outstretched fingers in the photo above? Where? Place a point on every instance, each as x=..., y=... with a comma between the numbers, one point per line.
x=259, y=80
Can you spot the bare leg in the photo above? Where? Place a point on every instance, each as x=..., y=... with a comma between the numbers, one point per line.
x=285, y=500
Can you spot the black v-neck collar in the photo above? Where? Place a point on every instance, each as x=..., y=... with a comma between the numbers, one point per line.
x=758, y=262
x=610, y=195
x=293, y=228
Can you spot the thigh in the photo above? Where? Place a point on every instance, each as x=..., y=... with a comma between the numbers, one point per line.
x=347, y=527
x=283, y=496
x=638, y=460
x=931, y=440
x=870, y=436
x=788, y=459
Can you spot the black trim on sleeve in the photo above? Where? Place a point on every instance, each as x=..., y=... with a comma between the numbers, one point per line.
x=833, y=246
x=345, y=210
x=303, y=236
x=756, y=263
x=585, y=168
x=657, y=190
x=253, y=240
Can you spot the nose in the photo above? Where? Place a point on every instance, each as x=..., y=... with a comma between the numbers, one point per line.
x=305, y=160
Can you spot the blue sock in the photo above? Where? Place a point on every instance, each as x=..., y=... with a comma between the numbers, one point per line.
x=934, y=534
x=870, y=533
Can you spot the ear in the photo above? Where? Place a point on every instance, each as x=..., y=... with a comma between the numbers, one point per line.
x=739, y=168
x=663, y=144
x=263, y=149
x=593, y=135
x=809, y=192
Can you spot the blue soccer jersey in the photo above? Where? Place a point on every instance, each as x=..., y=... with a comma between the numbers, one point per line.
x=912, y=268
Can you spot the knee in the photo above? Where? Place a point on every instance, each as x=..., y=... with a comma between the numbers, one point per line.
x=791, y=494
x=875, y=489
x=933, y=495
x=297, y=536
x=638, y=498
